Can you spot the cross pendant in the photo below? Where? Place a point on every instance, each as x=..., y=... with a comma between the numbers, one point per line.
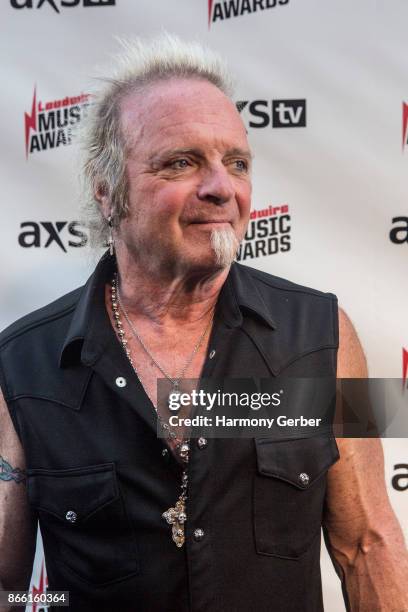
x=176, y=517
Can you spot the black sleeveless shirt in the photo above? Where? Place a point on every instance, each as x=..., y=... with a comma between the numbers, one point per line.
x=92, y=452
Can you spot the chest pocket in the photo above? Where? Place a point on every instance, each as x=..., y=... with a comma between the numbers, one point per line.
x=289, y=491
x=84, y=523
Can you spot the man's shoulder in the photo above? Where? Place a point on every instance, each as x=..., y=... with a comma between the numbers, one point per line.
x=41, y=318
x=303, y=319
x=269, y=283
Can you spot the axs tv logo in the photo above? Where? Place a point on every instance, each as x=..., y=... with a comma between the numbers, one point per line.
x=400, y=479
x=29, y=4
x=46, y=233
x=276, y=113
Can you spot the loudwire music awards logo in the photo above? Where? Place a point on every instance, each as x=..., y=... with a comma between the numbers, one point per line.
x=43, y=234
x=40, y=590
x=50, y=124
x=275, y=113
x=226, y=9
x=56, y=4
x=404, y=125
x=400, y=479
x=268, y=233
x=404, y=369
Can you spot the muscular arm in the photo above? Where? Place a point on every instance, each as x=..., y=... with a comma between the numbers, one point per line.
x=362, y=533
x=17, y=526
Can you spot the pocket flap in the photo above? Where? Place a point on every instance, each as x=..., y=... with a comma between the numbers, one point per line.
x=82, y=490
x=299, y=461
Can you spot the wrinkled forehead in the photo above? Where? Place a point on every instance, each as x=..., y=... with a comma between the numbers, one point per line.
x=178, y=107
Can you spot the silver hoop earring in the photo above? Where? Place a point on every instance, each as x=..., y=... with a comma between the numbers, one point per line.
x=111, y=242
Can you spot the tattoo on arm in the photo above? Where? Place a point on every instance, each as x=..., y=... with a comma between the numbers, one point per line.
x=9, y=473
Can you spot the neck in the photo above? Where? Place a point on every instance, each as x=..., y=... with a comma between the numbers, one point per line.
x=188, y=297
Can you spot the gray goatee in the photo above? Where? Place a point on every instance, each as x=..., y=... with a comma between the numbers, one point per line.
x=225, y=245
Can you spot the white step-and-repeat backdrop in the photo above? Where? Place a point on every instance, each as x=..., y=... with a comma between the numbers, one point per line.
x=322, y=87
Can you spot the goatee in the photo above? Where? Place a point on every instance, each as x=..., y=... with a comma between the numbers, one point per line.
x=225, y=245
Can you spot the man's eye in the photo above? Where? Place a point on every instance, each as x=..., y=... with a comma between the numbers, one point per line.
x=241, y=165
x=179, y=164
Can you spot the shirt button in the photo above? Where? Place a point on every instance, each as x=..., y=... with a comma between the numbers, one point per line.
x=198, y=535
x=71, y=516
x=120, y=381
x=202, y=443
x=304, y=479
x=212, y=354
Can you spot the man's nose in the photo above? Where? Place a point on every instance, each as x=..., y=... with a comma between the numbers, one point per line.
x=216, y=186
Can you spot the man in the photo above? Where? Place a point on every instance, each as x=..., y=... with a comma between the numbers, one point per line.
x=134, y=522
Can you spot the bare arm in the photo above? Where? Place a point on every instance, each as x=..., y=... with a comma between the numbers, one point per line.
x=363, y=534
x=17, y=526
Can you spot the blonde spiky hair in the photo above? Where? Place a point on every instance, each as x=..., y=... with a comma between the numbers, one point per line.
x=140, y=64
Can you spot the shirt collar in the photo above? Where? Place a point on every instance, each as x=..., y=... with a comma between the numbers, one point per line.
x=240, y=296
x=89, y=331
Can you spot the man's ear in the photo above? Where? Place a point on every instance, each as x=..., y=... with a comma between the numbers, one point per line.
x=103, y=199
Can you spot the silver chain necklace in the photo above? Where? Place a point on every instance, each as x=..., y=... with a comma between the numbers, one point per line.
x=175, y=516
x=176, y=380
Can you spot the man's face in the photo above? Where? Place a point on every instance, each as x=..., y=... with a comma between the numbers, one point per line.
x=188, y=171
